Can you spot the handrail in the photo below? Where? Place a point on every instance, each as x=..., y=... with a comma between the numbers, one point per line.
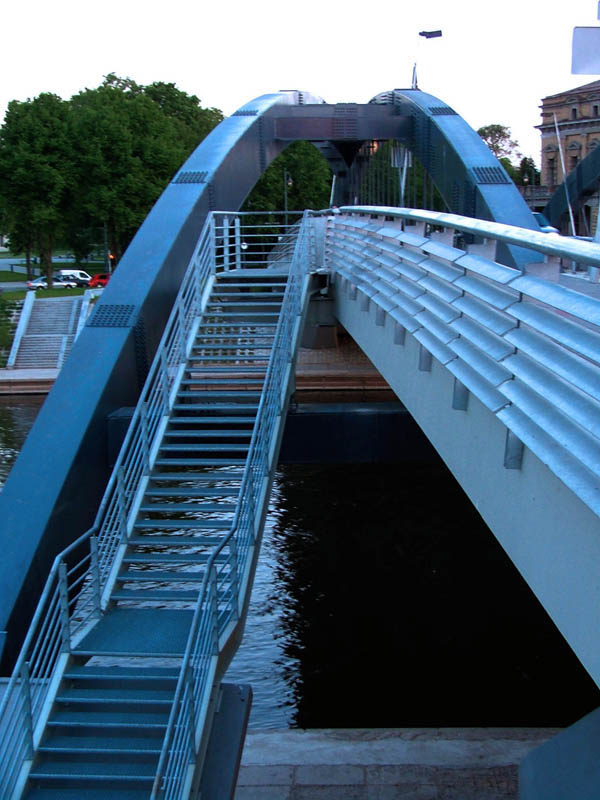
x=192, y=693
x=552, y=244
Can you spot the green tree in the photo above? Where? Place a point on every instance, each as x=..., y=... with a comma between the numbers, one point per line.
x=308, y=181
x=498, y=139
x=33, y=175
x=128, y=141
x=528, y=173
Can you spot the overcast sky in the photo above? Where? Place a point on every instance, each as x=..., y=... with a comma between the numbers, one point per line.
x=494, y=63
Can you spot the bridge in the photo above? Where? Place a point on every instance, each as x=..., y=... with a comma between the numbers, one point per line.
x=465, y=314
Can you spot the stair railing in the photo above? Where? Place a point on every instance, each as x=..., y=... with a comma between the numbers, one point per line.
x=72, y=597
x=222, y=594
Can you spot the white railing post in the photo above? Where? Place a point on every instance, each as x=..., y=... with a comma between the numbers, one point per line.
x=27, y=713
x=63, y=590
x=95, y=575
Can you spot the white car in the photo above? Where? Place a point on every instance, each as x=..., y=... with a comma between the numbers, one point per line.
x=58, y=282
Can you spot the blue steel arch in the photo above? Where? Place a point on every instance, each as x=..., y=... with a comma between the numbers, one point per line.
x=580, y=183
x=54, y=488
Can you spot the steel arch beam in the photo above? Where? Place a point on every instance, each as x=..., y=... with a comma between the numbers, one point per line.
x=55, y=486
x=580, y=183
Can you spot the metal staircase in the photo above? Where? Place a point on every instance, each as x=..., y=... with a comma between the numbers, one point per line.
x=114, y=692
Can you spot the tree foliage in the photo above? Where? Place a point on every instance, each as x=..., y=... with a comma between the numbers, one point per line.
x=71, y=169
x=307, y=184
x=498, y=139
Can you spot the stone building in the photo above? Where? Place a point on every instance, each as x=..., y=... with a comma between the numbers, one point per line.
x=578, y=117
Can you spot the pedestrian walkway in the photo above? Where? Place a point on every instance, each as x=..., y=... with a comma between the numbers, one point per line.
x=385, y=764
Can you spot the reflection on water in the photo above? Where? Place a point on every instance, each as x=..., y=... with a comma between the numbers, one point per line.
x=17, y=415
x=382, y=600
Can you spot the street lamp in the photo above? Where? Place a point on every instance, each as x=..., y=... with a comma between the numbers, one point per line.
x=287, y=182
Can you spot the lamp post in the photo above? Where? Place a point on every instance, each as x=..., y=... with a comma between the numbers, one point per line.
x=287, y=182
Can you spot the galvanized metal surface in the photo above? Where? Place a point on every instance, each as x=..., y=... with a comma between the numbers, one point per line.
x=528, y=348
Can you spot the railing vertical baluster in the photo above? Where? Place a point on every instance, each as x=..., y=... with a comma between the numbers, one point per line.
x=27, y=712
x=164, y=380
x=145, y=436
x=238, y=244
x=189, y=684
x=226, y=243
x=95, y=575
x=235, y=580
x=213, y=601
x=63, y=590
x=181, y=330
x=121, y=506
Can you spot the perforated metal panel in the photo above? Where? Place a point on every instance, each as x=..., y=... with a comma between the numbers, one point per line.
x=490, y=175
x=438, y=111
x=250, y=112
x=191, y=177
x=113, y=316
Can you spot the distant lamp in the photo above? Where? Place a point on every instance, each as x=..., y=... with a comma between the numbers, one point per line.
x=430, y=34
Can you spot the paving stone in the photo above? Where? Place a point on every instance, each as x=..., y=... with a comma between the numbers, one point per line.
x=271, y=775
x=327, y=793
x=336, y=774
x=264, y=793
x=408, y=791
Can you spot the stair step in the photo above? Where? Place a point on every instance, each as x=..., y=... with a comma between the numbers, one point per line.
x=112, y=696
x=173, y=541
x=200, y=462
x=167, y=558
x=194, y=433
x=205, y=447
x=141, y=770
x=181, y=524
x=156, y=595
x=208, y=491
x=69, y=718
x=92, y=792
x=216, y=407
x=156, y=576
x=215, y=370
x=107, y=674
x=199, y=476
x=206, y=420
x=172, y=508
x=220, y=395
x=226, y=379
x=77, y=745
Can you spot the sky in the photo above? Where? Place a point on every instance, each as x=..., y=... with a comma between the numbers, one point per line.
x=493, y=64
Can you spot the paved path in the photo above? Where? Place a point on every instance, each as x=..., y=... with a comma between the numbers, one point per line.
x=401, y=764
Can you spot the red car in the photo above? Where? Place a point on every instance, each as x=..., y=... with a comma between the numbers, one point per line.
x=99, y=280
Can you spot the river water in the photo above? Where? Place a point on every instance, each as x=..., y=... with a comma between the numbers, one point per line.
x=382, y=600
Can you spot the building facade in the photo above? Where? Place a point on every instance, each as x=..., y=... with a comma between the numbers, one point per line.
x=577, y=113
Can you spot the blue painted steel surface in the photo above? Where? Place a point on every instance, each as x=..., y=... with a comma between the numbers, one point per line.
x=77, y=611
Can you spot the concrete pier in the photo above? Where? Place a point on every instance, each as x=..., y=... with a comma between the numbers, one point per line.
x=385, y=764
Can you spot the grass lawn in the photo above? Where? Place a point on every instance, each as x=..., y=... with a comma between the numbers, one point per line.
x=20, y=295
x=6, y=276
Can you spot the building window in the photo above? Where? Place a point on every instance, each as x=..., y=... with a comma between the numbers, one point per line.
x=573, y=162
x=573, y=113
x=595, y=111
x=551, y=172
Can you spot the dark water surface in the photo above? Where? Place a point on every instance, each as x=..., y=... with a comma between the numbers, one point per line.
x=382, y=600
